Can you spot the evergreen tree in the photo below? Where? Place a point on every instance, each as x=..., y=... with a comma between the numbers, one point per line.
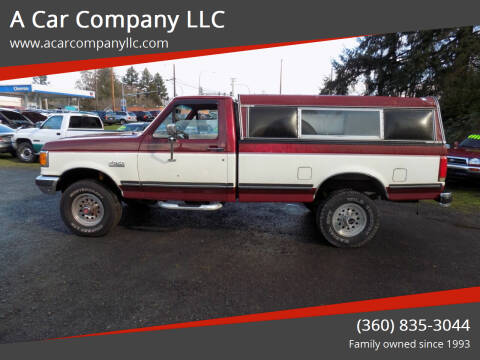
x=131, y=77
x=146, y=81
x=443, y=63
x=159, y=86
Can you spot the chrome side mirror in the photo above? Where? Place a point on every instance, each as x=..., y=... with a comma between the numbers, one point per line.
x=172, y=130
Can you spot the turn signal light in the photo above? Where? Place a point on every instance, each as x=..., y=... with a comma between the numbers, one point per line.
x=43, y=158
x=442, y=171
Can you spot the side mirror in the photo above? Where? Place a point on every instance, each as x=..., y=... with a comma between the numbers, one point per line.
x=172, y=130
x=38, y=125
x=447, y=146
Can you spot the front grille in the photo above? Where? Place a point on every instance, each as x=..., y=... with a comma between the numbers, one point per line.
x=457, y=161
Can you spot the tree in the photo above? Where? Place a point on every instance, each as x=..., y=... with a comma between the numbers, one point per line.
x=131, y=77
x=443, y=63
x=42, y=80
x=159, y=86
x=146, y=80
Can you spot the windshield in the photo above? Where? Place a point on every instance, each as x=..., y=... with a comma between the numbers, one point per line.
x=473, y=141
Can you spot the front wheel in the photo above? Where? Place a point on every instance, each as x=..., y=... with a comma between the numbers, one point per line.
x=89, y=208
x=25, y=152
x=348, y=219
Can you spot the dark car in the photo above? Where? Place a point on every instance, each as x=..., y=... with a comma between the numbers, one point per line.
x=463, y=160
x=6, y=135
x=135, y=127
x=143, y=115
x=101, y=114
x=155, y=113
x=33, y=115
x=14, y=119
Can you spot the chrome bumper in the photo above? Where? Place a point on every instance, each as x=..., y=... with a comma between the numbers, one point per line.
x=445, y=199
x=47, y=184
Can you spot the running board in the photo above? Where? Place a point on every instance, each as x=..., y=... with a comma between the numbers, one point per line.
x=202, y=207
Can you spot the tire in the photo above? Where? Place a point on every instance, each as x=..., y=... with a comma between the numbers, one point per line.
x=105, y=209
x=25, y=152
x=13, y=153
x=312, y=206
x=347, y=218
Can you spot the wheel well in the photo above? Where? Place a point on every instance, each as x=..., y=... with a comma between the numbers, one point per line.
x=22, y=140
x=75, y=175
x=355, y=181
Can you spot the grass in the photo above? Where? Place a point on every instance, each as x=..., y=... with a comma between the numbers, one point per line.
x=7, y=160
x=466, y=196
x=111, y=127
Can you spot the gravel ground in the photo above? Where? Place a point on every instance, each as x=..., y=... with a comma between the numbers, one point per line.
x=163, y=266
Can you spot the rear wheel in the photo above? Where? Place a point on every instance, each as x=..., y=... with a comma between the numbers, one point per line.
x=89, y=208
x=347, y=218
x=25, y=152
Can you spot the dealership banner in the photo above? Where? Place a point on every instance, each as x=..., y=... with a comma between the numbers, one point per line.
x=212, y=286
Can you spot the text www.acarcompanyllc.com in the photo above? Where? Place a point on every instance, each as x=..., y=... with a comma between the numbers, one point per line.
x=119, y=45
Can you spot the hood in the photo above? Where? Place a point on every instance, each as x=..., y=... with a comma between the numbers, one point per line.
x=97, y=142
x=25, y=132
x=464, y=152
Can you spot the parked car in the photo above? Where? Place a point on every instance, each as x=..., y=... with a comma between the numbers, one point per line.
x=101, y=114
x=143, y=115
x=34, y=115
x=120, y=117
x=154, y=113
x=29, y=142
x=6, y=135
x=336, y=154
x=135, y=127
x=14, y=119
x=464, y=159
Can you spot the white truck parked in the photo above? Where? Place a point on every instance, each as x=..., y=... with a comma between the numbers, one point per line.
x=29, y=142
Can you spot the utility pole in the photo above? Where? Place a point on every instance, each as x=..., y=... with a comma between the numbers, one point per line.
x=174, y=83
x=233, y=86
x=113, y=91
x=281, y=70
x=96, y=90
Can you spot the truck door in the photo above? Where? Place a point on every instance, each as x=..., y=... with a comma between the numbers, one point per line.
x=50, y=130
x=199, y=169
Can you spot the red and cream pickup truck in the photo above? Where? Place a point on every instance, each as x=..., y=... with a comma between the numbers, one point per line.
x=336, y=154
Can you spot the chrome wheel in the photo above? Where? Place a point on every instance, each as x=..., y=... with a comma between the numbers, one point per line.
x=26, y=154
x=349, y=220
x=87, y=209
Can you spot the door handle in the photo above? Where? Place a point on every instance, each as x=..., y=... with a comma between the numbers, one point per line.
x=216, y=148
x=58, y=133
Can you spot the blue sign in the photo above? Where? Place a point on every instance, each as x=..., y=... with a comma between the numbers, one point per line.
x=15, y=88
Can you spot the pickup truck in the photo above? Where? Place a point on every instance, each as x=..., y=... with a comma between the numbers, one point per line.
x=29, y=142
x=464, y=159
x=335, y=154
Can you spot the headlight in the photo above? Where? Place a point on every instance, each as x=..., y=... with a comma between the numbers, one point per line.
x=43, y=158
x=474, y=161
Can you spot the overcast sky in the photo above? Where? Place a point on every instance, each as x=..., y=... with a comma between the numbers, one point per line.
x=256, y=71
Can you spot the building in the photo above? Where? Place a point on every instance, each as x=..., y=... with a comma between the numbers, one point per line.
x=36, y=96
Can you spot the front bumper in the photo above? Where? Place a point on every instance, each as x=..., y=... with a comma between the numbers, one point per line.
x=6, y=147
x=47, y=184
x=462, y=171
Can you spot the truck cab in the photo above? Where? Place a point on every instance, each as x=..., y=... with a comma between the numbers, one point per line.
x=29, y=142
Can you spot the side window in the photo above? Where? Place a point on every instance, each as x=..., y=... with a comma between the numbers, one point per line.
x=197, y=121
x=408, y=124
x=85, y=122
x=273, y=122
x=53, y=123
x=354, y=123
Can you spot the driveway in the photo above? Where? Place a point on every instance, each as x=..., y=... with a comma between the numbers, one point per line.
x=163, y=266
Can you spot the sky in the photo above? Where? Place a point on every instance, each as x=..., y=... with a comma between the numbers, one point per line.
x=256, y=71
